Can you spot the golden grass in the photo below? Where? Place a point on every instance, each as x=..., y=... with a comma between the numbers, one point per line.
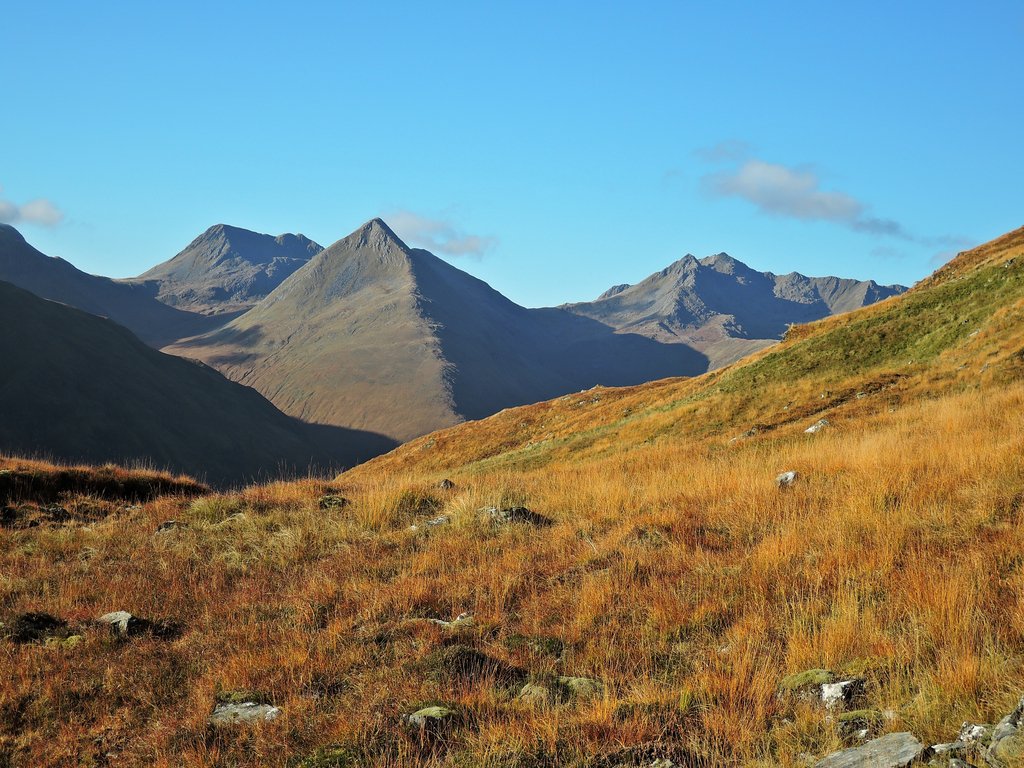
x=678, y=574
x=675, y=572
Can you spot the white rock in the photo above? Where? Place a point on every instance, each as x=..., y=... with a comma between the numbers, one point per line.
x=820, y=425
x=971, y=733
x=121, y=621
x=224, y=714
x=786, y=479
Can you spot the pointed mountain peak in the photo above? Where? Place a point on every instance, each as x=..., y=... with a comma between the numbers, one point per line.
x=375, y=236
x=377, y=233
x=727, y=265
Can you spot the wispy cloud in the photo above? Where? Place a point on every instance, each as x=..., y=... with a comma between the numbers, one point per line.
x=795, y=192
x=440, y=235
x=728, y=150
x=39, y=211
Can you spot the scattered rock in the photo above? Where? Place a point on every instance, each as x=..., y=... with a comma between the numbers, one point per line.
x=246, y=712
x=860, y=723
x=861, y=394
x=123, y=623
x=786, y=479
x=331, y=501
x=169, y=525
x=581, y=686
x=805, y=684
x=950, y=748
x=68, y=642
x=446, y=485
x=749, y=433
x=1007, y=747
x=561, y=688
x=817, y=427
x=894, y=750
x=431, y=719
x=442, y=520
x=837, y=695
x=650, y=755
x=464, y=619
x=974, y=734
x=514, y=515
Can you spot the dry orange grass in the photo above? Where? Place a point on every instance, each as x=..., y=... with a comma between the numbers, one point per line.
x=675, y=572
x=678, y=574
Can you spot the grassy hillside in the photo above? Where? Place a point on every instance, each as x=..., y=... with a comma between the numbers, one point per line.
x=82, y=388
x=674, y=574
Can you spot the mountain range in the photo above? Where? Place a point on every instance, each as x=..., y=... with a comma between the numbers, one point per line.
x=391, y=342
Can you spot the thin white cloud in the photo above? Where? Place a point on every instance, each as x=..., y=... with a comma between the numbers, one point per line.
x=729, y=150
x=795, y=192
x=39, y=211
x=779, y=190
x=439, y=235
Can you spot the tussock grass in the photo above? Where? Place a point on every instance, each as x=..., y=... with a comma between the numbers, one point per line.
x=675, y=573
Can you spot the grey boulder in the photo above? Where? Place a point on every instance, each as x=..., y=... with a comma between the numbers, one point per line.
x=246, y=712
x=894, y=750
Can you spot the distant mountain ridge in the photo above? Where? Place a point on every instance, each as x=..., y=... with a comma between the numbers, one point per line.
x=723, y=308
x=227, y=268
x=131, y=305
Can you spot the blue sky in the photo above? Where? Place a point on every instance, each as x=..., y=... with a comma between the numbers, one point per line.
x=551, y=149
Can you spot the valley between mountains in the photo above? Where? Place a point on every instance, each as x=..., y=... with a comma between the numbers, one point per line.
x=365, y=344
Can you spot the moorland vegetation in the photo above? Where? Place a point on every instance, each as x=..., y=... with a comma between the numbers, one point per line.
x=655, y=616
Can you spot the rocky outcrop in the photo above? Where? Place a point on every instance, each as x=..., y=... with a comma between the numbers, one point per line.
x=514, y=515
x=894, y=750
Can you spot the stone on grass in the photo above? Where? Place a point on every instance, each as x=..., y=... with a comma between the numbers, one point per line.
x=123, y=622
x=513, y=515
x=581, y=686
x=331, y=501
x=442, y=520
x=464, y=619
x=894, y=750
x=431, y=719
x=805, y=685
x=786, y=479
x=974, y=734
x=446, y=485
x=246, y=712
x=837, y=695
x=561, y=688
x=1007, y=747
x=817, y=427
x=169, y=525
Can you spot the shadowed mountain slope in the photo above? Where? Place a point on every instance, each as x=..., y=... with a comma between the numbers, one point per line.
x=374, y=335
x=80, y=388
x=228, y=269
x=130, y=305
x=960, y=330
x=723, y=308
